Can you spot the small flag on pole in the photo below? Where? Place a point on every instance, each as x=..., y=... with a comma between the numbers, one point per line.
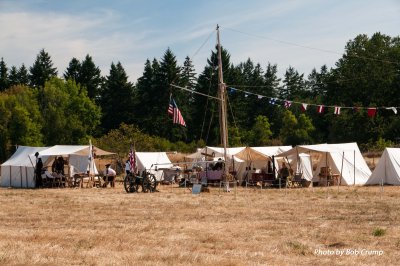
x=174, y=112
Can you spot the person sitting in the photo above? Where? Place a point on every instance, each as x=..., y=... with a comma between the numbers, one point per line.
x=110, y=176
x=284, y=172
x=59, y=165
x=219, y=165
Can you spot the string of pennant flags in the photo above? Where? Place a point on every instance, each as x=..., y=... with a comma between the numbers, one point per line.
x=320, y=108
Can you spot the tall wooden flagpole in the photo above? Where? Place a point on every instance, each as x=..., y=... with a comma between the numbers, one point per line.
x=223, y=117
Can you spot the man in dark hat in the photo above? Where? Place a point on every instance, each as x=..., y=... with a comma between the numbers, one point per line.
x=38, y=173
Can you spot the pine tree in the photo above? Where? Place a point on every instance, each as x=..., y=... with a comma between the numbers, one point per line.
x=73, y=70
x=170, y=72
x=116, y=99
x=90, y=77
x=42, y=69
x=293, y=84
x=13, y=76
x=23, y=76
x=142, y=96
x=3, y=75
x=205, y=109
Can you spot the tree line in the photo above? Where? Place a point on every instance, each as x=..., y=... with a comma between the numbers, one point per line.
x=39, y=107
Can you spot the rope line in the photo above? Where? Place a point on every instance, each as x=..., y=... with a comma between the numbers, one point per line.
x=310, y=104
x=311, y=48
x=193, y=91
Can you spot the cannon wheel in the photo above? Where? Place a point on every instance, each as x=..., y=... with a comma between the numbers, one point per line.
x=149, y=183
x=152, y=182
x=130, y=183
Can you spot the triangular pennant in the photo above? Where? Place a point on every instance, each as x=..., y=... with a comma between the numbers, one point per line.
x=260, y=97
x=272, y=101
x=371, y=112
x=320, y=109
x=288, y=104
x=337, y=110
x=304, y=107
x=393, y=109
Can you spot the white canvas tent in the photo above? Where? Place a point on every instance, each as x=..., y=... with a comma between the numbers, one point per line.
x=19, y=169
x=388, y=169
x=214, y=153
x=150, y=160
x=302, y=164
x=258, y=157
x=77, y=155
x=345, y=159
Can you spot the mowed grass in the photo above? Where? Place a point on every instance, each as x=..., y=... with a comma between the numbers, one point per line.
x=173, y=227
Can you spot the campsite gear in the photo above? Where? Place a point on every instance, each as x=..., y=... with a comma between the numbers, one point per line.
x=145, y=183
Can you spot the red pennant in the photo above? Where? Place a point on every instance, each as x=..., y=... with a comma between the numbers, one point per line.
x=371, y=112
x=320, y=109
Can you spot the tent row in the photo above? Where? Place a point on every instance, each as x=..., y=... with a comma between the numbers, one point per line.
x=345, y=161
x=19, y=170
x=315, y=162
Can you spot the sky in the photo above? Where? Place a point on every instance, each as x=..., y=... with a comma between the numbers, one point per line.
x=303, y=34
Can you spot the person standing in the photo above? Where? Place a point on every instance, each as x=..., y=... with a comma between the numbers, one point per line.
x=110, y=175
x=38, y=173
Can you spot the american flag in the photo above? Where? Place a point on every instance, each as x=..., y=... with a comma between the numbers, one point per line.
x=132, y=160
x=173, y=111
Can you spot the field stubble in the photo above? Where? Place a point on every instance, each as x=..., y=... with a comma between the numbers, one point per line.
x=174, y=227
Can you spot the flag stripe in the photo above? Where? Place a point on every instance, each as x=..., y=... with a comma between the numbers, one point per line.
x=174, y=111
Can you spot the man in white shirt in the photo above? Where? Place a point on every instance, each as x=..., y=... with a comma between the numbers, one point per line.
x=110, y=176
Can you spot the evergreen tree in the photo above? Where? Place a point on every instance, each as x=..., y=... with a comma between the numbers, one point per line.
x=90, y=77
x=293, y=84
x=73, y=70
x=143, y=96
x=152, y=97
x=206, y=110
x=188, y=74
x=23, y=76
x=13, y=76
x=116, y=99
x=317, y=82
x=42, y=69
x=3, y=75
x=271, y=80
x=170, y=72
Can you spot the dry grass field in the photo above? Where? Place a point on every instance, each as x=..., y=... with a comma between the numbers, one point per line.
x=173, y=227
